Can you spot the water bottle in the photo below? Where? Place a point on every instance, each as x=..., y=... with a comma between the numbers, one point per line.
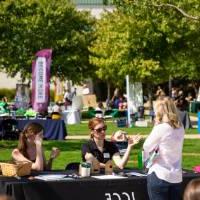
x=140, y=159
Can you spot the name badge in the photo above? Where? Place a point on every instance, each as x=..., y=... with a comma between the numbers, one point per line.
x=106, y=155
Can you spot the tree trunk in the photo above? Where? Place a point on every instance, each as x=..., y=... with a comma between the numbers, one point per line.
x=108, y=95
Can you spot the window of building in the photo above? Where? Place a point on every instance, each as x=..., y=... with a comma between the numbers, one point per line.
x=93, y=2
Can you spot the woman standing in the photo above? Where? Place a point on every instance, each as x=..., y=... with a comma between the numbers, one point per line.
x=165, y=174
x=30, y=148
x=101, y=149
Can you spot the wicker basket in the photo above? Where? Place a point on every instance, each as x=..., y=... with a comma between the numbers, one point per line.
x=16, y=169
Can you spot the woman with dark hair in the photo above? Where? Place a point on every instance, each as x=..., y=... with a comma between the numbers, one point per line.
x=30, y=148
x=166, y=142
x=101, y=149
x=192, y=191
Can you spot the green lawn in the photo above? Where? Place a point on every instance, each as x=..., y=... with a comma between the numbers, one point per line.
x=82, y=129
x=70, y=152
x=71, y=149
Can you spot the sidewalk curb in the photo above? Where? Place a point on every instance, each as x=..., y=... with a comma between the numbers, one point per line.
x=85, y=137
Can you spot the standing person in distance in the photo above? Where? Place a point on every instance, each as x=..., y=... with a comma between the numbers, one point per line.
x=165, y=174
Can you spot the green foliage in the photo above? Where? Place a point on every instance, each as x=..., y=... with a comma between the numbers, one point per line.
x=9, y=93
x=149, y=40
x=28, y=26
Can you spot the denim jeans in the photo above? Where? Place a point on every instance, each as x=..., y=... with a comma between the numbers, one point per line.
x=162, y=190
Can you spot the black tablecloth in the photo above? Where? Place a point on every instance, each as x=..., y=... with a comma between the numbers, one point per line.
x=53, y=129
x=131, y=188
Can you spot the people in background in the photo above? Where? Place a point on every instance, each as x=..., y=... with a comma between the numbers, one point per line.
x=67, y=98
x=4, y=107
x=85, y=90
x=160, y=93
x=101, y=149
x=30, y=148
x=166, y=141
x=192, y=191
x=56, y=111
x=122, y=103
x=99, y=110
x=174, y=93
x=115, y=100
x=189, y=97
x=57, y=107
x=181, y=103
x=74, y=93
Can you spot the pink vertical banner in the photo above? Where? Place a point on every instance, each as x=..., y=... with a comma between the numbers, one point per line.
x=41, y=80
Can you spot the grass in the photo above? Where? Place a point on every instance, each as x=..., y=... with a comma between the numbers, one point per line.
x=71, y=149
x=71, y=152
x=82, y=129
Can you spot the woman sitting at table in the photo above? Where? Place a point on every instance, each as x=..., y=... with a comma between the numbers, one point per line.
x=102, y=150
x=30, y=148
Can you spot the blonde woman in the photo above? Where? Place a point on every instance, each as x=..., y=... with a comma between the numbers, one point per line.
x=30, y=148
x=165, y=174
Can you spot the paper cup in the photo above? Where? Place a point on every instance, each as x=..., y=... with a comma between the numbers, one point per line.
x=85, y=171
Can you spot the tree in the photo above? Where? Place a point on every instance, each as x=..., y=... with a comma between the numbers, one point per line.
x=150, y=40
x=177, y=27
x=30, y=25
x=114, y=53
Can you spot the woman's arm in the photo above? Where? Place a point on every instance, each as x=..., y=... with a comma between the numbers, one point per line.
x=121, y=161
x=39, y=161
x=37, y=165
x=152, y=141
x=90, y=158
x=18, y=156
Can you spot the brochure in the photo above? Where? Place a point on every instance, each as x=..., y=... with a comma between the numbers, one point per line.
x=53, y=177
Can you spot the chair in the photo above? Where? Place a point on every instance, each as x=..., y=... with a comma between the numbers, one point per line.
x=122, y=146
x=121, y=122
x=99, y=113
x=10, y=129
x=72, y=166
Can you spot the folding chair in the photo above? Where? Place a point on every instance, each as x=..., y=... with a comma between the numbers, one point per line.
x=72, y=166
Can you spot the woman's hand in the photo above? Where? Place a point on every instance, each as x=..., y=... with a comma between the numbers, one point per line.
x=38, y=139
x=133, y=140
x=54, y=152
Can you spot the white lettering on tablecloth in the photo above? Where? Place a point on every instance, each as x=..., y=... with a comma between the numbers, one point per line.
x=120, y=196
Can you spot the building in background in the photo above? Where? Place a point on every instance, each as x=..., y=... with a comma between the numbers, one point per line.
x=96, y=7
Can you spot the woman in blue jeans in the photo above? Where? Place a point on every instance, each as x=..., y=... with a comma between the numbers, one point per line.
x=166, y=139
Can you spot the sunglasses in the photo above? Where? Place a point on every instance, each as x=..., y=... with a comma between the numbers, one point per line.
x=104, y=128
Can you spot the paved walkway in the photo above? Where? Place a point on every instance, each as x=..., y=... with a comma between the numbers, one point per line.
x=85, y=137
x=188, y=136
